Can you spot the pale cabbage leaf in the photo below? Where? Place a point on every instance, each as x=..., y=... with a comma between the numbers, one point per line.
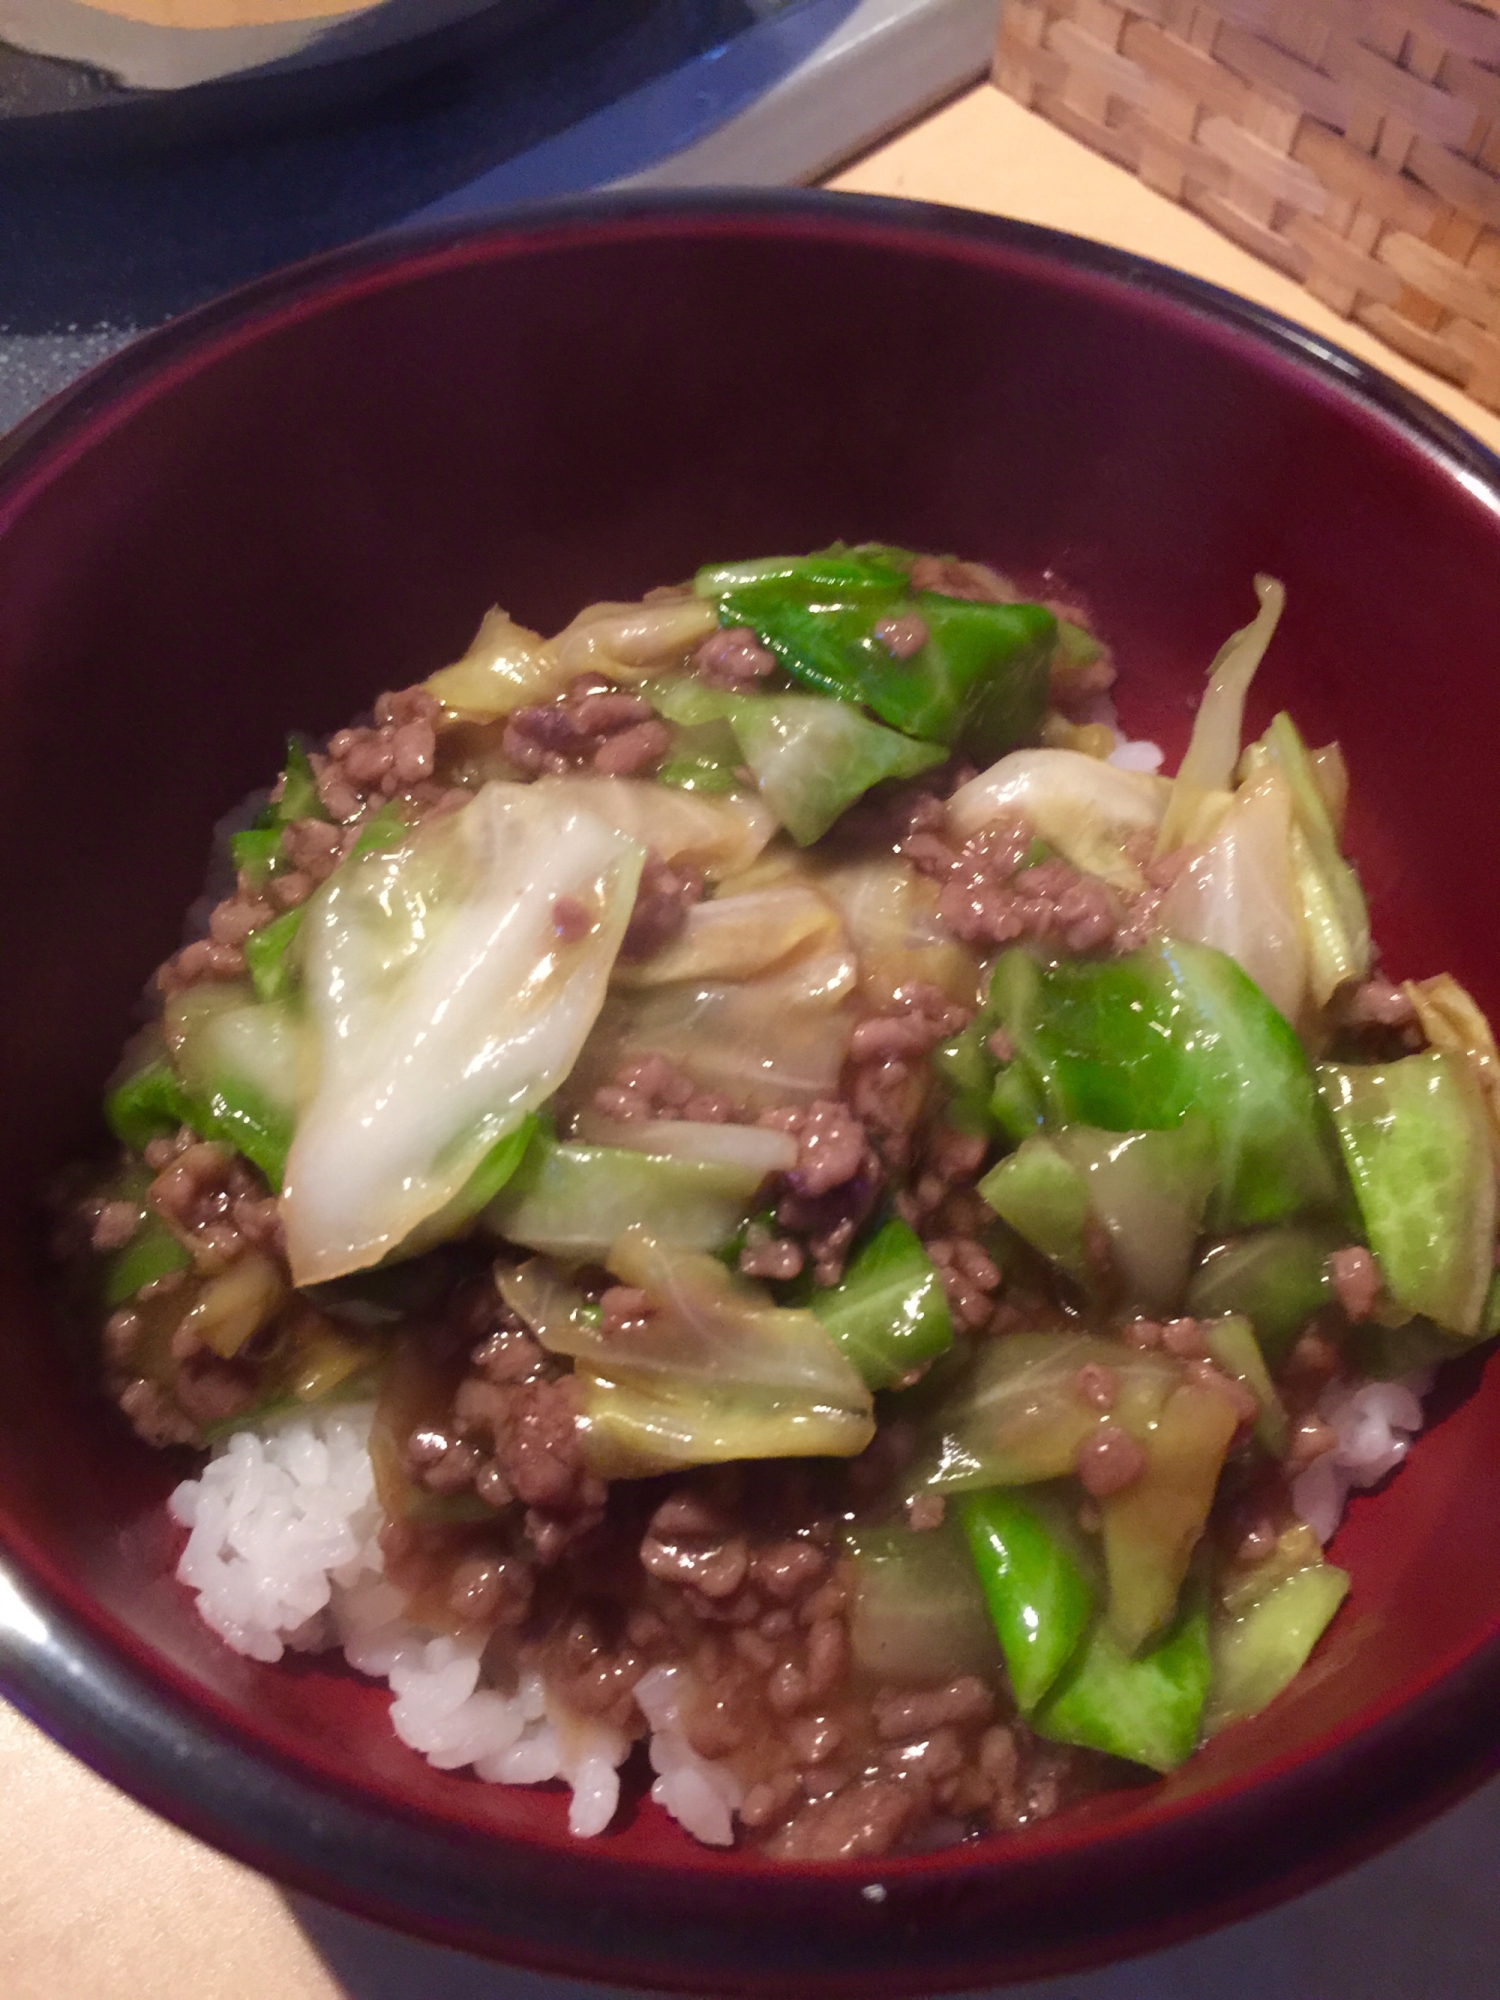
x=443, y=1007
x=1085, y=809
x=712, y=1372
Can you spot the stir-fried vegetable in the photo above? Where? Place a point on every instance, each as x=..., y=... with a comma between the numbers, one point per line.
x=1152, y=1526
x=471, y=1091
x=506, y=667
x=978, y=676
x=1240, y=893
x=1119, y=1213
x=1147, y=1708
x=1015, y=1416
x=1036, y=1583
x=712, y=1371
x=741, y=936
x=1417, y=1144
x=574, y=1201
x=445, y=1007
x=1208, y=766
x=1333, y=904
x=1276, y=1278
x=1135, y=1043
x=811, y=757
x=1266, y=1622
x=257, y=851
x=1084, y=809
x=1231, y=1342
x=889, y=1314
x=722, y=837
x=1456, y=1027
x=779, y=1039
x=917, y=1614
x=237, y=1061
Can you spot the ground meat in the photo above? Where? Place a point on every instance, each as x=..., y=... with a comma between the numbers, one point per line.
x=939, y=1199
x=491, y=1589
x=1098, y=1385
x=624, y=1309
x=592, y=725
x=1183, y=1337
x=887, y=1069
x=866, y=1819
x=512, y=1437
x=121, y=1336
x=1052, y=903
x=831, y=1144
x=989, y=896
x=211, y=1200
x=1374, y=1003
x=1240, y=1397
x=114, y=1225
x=212, y=1391
x=926, y=1511
x=693, y=1543
x=154, y=1416
x=902, y=637
x=948, y=577
x=826, y=1223
x=662, y=900
x=394, y=756
x=1311, y=1365
x=733, y=659
x=766, y=1256
x=1356, y=1280
x=314, y=847
x=1109, y=1460
x=201, y=960
x=653, y=1088
x=969, y=1275
x=900, y=1717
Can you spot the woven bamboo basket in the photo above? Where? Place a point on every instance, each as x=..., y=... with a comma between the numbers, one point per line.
x=1353, y=143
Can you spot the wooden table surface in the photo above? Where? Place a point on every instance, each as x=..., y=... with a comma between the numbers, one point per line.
x=99, y=1900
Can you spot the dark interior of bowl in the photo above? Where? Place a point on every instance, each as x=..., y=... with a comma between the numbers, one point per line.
x=313, y=494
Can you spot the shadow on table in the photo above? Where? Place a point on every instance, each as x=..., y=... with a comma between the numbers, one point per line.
x=1419, y=1923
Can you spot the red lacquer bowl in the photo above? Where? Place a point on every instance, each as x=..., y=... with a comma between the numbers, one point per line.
x=267, y=513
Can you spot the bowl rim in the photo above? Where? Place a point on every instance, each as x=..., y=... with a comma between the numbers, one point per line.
x=138, y=1720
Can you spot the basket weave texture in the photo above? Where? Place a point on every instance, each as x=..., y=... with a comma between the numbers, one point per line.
x=1355, y=144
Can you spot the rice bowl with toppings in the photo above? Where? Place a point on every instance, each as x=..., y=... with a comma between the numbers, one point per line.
x=750, y=1180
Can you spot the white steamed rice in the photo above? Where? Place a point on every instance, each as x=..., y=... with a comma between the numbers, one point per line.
x=1375, y=1423
x=283, y=1550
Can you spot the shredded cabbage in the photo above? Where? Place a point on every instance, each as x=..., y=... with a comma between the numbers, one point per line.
x=572, y=1201
x=890, y=913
